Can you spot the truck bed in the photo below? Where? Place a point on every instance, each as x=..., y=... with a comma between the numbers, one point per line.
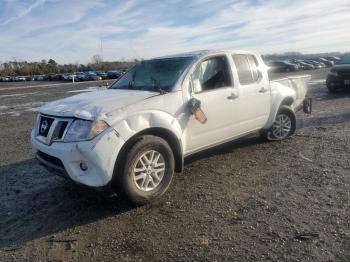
x=298, y=83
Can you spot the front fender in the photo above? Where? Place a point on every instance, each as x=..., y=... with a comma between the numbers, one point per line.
x=137, y=122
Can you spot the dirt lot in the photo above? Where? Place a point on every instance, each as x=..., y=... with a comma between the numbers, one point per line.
x=243, y=201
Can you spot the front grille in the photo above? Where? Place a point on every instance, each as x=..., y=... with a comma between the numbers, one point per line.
x=50, y=129
x=59, y=130
x=51, y=159
x=62, y=129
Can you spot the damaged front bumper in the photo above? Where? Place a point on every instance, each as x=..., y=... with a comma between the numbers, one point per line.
x=90, y=163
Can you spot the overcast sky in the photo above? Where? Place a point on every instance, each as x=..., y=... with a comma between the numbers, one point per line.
x=72, y=30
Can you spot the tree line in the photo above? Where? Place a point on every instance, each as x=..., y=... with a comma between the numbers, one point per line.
x=24, y=68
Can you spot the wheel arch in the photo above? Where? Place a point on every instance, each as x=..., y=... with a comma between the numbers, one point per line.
x=292, y=114
x=166, y=134
x=286, y=101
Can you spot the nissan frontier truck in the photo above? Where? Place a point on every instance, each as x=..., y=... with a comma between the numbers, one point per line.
x=134, y=135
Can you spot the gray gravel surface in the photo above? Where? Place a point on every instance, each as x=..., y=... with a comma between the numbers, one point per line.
x=244, y=201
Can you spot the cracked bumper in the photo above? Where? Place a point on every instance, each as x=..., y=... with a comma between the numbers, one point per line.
x=65, y=159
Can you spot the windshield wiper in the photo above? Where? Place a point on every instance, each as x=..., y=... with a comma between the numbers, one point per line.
x=132, y=81
x=131, y=84
x=157, y=86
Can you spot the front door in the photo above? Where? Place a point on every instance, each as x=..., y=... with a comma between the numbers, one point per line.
x=213, y=87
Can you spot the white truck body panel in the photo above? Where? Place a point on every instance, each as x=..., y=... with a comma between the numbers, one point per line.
x=294, y=87
x=129, y=112
x=298, y=84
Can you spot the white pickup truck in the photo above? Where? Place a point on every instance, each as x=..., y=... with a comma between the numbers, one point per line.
x=133, y=136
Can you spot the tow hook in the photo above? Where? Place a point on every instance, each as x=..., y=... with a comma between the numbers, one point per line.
x=307, y=106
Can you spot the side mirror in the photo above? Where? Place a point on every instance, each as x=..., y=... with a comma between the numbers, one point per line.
x=195, y=109
x=197, y=86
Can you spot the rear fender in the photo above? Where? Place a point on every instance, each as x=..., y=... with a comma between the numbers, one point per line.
x=280, y=95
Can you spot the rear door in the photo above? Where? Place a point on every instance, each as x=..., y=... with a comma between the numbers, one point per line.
x=254, y=91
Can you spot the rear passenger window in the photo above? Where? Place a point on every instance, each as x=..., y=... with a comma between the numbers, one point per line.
x=247, y=68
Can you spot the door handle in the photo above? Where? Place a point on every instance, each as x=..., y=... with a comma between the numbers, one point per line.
x=232, y=97
x=263, y=90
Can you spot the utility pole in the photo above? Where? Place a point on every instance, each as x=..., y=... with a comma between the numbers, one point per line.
x=101, y=49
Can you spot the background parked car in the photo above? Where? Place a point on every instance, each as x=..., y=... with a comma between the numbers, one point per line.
x=123, y=70
x=114, y=74
x=71, y=76
x=30, y=78
x=53, y=77
x=307, y=66
x=92, y=76
x=39, y=78
x=332, y=58
x=316, y=64
x=80, y=76
x=102, y=74
x=339, y=76
x=19, y=78
x=297, y=64
x=4, y=79
x=281, y=66
x=324, y=61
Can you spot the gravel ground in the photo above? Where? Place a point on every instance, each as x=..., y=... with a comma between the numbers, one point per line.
x=244, y=201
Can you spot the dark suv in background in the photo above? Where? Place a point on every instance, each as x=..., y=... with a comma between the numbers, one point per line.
x=339, y=76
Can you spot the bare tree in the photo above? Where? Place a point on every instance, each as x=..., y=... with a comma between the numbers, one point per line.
x=97, y=62
x=20, y=67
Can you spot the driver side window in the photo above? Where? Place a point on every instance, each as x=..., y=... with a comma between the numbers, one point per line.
x=211, y=74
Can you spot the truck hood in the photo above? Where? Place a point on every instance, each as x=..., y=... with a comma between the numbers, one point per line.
x=341, y=67
x=95, y=105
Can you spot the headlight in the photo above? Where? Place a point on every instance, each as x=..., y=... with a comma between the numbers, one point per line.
x=333, y=73
x=37, y=120
x=82, y=130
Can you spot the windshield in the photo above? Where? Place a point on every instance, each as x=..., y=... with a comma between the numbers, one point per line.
x=154, y=75
x=345, y=59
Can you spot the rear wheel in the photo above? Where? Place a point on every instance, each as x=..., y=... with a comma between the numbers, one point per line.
x=284, y=125
x=147, y=172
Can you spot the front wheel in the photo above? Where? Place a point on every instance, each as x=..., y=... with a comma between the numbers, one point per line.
x=284, y=125
x=148, y=170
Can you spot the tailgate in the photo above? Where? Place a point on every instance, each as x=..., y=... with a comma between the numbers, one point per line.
x=299, y=84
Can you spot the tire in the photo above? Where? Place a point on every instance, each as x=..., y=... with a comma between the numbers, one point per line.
x=141, y=180
x=331, y=89
x=284, y=125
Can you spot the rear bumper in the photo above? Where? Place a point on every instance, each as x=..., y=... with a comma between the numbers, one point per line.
x=66, y=159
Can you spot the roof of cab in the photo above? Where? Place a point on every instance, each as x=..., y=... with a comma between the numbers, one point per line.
x=188, y=54
x=201, y=53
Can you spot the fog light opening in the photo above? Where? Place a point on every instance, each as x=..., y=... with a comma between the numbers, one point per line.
x=83, y=166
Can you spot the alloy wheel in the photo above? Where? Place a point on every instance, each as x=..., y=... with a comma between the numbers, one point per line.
x=282, y=126
x=149, y=170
